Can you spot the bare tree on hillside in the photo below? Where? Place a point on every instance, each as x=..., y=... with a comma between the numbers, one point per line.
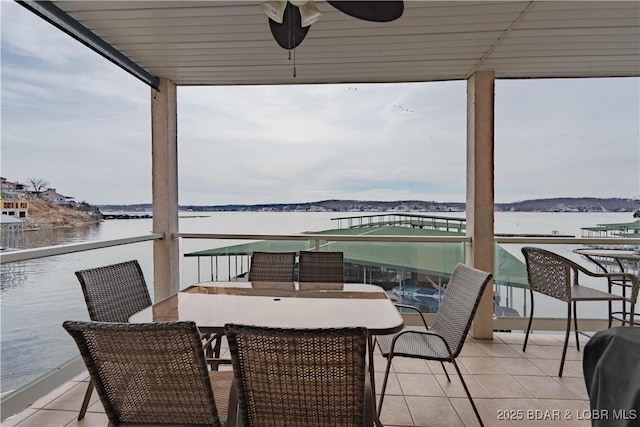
x=38, y=185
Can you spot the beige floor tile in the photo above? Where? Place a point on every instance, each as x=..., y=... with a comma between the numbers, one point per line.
x=509, y=338
x=572, y=368
x=545, y=387
x=433, y=412
x=379, y=363
x=420, y=385
x=395, y=412
x=576, y=385
x=518, y=366
x=410, y=365
x=546, y=339
x=551, y=366
x=572, y=337
x=486, y=407
x=502, y=386
x=90, y=420
x=71, y=400
x=480, y=365
x=454, y=387
x=393, y=387
x=499, y=350
x=472, y=349
x=95, y=405
x=49, y=419
x=534, y=351
x=55, y=394
x=20, y=416
x=437, y=369
x=573, y=354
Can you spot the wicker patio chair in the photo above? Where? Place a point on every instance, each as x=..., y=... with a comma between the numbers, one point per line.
x=327, y=267
x=153, y=373
x=301, y=377
x=112, y=294
x=272, y=267
x=558, y=277
x=444, y=340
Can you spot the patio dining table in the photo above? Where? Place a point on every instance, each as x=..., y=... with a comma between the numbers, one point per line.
x=211, y=305
x=616, y=255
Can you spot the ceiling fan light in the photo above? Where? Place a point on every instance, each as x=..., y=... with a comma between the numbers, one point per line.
x=274, y=9
x=309, y=13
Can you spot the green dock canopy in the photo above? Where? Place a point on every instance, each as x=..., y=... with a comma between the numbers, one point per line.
x=436, y=259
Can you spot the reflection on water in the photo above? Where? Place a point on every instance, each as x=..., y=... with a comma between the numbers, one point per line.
x=38, y=295
x=12, y=275
x=61, y=235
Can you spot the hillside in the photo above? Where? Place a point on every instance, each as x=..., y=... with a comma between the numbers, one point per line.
x=45, y=214
x=568, y=204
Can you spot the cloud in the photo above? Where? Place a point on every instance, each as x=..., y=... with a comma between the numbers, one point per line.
x=74, y=119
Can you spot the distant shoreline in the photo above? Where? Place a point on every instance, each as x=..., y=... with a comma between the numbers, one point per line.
x=579, y=204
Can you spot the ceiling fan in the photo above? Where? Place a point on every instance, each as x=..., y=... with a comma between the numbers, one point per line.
x=290, y=21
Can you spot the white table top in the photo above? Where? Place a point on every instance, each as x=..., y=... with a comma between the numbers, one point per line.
x=611, y=253
x=213, y=304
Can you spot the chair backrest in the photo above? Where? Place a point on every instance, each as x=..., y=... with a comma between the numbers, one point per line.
x=299, y=377
x=114, y=292
x=327, y=267
x=459, y=304
x=272, y=267
x=548, y=273
x=148, y=373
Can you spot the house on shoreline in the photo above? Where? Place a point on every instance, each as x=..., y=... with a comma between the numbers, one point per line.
x=52, y=196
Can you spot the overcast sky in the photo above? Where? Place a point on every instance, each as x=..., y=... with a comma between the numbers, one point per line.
x=77, y=121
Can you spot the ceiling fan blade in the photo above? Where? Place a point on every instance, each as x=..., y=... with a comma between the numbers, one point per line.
x=375, y=11
x=290, y=33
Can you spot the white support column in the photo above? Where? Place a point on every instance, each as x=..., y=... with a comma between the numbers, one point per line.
x=480, y=190
x=164, y=147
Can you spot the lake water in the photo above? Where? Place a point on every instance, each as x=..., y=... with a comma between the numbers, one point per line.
x=38, y=295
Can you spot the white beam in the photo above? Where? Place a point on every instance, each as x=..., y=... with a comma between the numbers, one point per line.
x=164, y=146
x=480, y=190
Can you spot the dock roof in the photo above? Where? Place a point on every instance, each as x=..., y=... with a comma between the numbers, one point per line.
x=438, y=259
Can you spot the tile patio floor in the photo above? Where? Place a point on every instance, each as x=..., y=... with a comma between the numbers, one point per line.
x=502, y=380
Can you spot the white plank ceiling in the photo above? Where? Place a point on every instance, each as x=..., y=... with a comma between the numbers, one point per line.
x=228, y=43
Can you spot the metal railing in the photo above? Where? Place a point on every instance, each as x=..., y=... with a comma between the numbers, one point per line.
x=18, y=399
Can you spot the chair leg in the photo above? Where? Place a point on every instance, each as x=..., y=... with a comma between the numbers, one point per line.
x=566, y=339
x=466, y=390
x=526, y=336
x=575, y=325
x=445, y=371
x=369, y=402
x=85, y=401
x=384, y=384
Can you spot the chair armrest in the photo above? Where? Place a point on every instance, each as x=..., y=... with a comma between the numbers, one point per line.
x=635, y=283
x=424, y=321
